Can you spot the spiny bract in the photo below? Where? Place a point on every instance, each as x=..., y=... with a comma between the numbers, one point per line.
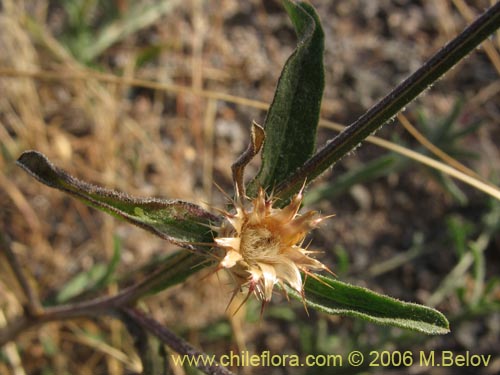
x=264, y=245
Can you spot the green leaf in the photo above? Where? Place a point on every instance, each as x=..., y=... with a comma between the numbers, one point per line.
x=96, y=278
x=293, y=117
x=179, y=222
x=176, y=268
x=375, y=168
x=327, y=295
x=350, y=138
x=111, y=266
x=81, y=282
x=339, y=298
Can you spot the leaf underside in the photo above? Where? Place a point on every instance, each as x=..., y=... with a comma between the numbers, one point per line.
x=179, y=222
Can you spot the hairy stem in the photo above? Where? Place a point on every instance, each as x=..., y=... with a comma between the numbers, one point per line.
x=175, y=270
x=180, y=346
x=394, y=102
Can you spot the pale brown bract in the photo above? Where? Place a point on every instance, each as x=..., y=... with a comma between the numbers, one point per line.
x=263, y=245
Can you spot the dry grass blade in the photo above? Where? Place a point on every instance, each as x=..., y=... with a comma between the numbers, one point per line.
x=11, y=352
x=442, y=167
x=488, y=46
x=485, y=187
x=137, y=18
x=436, y=150
x=34, y=305
x=208, y=148
x=132, y=363
x=85, y=75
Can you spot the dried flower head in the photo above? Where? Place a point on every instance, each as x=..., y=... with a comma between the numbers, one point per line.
x=263, y=245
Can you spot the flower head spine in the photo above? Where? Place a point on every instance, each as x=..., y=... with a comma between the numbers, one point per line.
x=263, y=245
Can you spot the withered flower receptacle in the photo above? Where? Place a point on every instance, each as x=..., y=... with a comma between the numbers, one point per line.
x=264, y=246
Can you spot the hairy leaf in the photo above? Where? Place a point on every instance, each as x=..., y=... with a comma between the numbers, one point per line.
x=179, y=222
x=339, y=298
x=292, y=119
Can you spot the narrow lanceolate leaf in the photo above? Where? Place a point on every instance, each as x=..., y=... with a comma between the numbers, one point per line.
x=292, y=119
x=94, y=279
x=339, y=298
x=179, y=222
x=392, y=103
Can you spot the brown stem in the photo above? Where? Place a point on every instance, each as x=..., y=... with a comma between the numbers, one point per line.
x=392, y=103
x=183, y=348
x=256, y=141
x=176, y=269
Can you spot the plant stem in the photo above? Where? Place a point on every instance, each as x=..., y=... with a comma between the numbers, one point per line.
x=183, y=348
x=174, y=270
x=394, y=102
